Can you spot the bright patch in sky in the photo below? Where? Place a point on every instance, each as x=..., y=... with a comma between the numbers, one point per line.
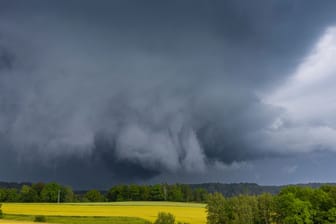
x=309, y=101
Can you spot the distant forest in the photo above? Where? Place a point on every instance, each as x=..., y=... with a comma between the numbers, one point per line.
x=52, y=192
x=234, y=189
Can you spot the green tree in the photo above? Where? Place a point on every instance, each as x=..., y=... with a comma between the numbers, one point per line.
x=50, y=191
x=38, y=187
x=134, y=192
x=291, y=210
x=11, y=195
x=265, y=208
x=67, y=195
x=321, y=203
x=331, y=191
x=187, y=192
x=217, y=209
x=175, y=193
x=200, y=195
x=331, y=216
x=94, y=196
x=244, y=209
x=156, y=193
x=144, y=193
x=2, y=195
x=125, y=193
x=28, y=194
x=116, y=193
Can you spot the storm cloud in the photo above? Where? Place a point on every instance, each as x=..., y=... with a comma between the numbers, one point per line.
x=129, y=91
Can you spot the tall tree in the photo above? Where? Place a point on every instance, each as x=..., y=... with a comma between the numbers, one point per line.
x=291, y=210
x=38, y=187
x=244, y=209
x=265, y=208
x=11, y=195
x=217, y=209
x=28, y=194
x=50, y=192
x=134, y=192
x=175, y=193
x=156, y=193
x=67, y=195
x=94, y=196
x=200, y=195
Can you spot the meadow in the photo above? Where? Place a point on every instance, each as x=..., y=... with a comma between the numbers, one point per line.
x=111, y=212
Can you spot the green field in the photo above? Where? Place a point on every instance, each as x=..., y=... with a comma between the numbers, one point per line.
x=102, y=213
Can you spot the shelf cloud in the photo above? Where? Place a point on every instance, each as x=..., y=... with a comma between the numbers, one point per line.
x=154, y=91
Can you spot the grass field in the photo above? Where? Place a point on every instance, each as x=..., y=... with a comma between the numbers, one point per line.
x=185, y=212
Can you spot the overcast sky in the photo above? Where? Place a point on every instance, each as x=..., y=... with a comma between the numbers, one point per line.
x=95, y=93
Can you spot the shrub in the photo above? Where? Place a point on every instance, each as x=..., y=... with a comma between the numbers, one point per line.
x=40, y=218
x=165, y=218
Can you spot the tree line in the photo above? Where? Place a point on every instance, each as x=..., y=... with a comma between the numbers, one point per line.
x=52, y=192
x=38, y=192
x=293, y=205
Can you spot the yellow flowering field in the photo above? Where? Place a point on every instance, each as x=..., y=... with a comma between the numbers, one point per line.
x=185, y=212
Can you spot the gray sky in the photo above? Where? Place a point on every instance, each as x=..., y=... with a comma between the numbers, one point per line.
x=94, y=93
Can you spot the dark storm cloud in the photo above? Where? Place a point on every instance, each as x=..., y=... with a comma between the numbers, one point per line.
x=132, y=90
x=6, y=59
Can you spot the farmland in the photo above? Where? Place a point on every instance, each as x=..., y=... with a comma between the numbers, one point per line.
x=15, y=222
x=104, y=212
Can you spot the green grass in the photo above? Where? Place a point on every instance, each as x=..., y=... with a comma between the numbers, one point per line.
x=80, y=219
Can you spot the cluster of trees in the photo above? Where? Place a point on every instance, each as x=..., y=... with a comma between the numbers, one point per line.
x=50, y=192
x=158, y=192
x=38, y=192
x=293, y=205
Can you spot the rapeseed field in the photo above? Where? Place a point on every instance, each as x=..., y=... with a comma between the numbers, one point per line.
x=192, y=213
